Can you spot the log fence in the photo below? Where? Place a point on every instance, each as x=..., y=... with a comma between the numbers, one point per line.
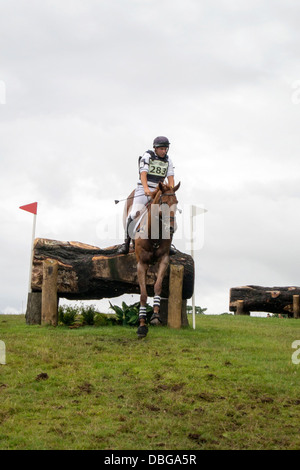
x=77, y=271
x=278, y=300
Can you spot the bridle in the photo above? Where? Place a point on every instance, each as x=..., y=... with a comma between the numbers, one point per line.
x=166, y=194
x=171, y=217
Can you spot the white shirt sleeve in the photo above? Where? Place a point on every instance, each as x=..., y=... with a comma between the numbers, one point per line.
x=144, y=163
x=170, y=168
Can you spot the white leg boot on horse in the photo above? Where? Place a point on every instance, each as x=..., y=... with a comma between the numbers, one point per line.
x=143, y=328
x=155, y=319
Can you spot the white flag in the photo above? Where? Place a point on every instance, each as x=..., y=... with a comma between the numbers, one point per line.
x=197, y=210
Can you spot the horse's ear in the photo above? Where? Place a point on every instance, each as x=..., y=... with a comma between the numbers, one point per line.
x=160, y=185
x=176, y=187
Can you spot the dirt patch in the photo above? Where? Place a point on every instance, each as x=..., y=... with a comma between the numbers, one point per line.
x=153, y=408
x=42, y=376
x=197, y=437
x=266, y=399
x=85, y=388
x=206, y=396
x=170, y=387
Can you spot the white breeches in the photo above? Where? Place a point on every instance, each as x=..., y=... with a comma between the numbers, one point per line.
x=139, y=201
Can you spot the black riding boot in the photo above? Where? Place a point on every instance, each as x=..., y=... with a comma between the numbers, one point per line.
x=173, y=250
x=124, y=248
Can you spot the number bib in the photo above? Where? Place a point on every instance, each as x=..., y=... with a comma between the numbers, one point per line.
x=158, y=168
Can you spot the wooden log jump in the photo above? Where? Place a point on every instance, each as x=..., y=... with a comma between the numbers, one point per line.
x=77, y=271
x=246, y=299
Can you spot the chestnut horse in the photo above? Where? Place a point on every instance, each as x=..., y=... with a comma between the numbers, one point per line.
x=152, y=245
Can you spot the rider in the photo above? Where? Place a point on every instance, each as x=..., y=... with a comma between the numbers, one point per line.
x=153, y=168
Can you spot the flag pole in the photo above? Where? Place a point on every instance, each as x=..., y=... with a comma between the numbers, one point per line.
x=194, y=210
x=31, y=255
x=192, y=255
x=32, y=208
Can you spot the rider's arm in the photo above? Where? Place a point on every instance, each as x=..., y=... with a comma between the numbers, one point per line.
x=145, y=183
x=171, y=181
x=170, y=174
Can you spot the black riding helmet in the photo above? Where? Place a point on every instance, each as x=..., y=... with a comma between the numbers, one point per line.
x=161, y=141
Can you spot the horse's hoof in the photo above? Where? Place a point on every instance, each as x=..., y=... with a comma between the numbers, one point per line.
x=142, y=331
x=155, y=320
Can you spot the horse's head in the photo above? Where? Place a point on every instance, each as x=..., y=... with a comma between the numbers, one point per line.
x=166, y=201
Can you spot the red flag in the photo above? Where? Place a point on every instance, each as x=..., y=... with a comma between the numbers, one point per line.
x=30, y=207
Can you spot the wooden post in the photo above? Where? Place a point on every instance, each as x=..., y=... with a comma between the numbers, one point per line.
x=49, y=293
x=34, y=308
x=296, y=306
x=175, y=296
x=240, y=307
x=184, y=318
x=163, y=312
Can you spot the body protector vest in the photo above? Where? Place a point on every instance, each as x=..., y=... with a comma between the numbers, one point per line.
x=157, y=168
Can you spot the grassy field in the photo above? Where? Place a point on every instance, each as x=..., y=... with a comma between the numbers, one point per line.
x=229, y=384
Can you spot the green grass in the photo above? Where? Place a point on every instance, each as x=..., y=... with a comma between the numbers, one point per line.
x=229, y=384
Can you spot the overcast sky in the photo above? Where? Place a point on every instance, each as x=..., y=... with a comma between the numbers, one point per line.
x=86, y=85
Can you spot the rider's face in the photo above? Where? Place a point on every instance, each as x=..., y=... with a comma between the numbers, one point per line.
x=161, y=151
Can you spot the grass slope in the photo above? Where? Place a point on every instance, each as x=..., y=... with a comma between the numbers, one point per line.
x=229, y=384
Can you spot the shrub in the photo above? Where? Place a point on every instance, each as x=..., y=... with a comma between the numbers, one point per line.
x=129, y=314
x=100, y=319
x=67, y=314
x=88, y=314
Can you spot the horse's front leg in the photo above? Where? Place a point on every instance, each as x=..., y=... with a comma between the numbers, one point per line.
x=141, y=272
x=155, y=319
